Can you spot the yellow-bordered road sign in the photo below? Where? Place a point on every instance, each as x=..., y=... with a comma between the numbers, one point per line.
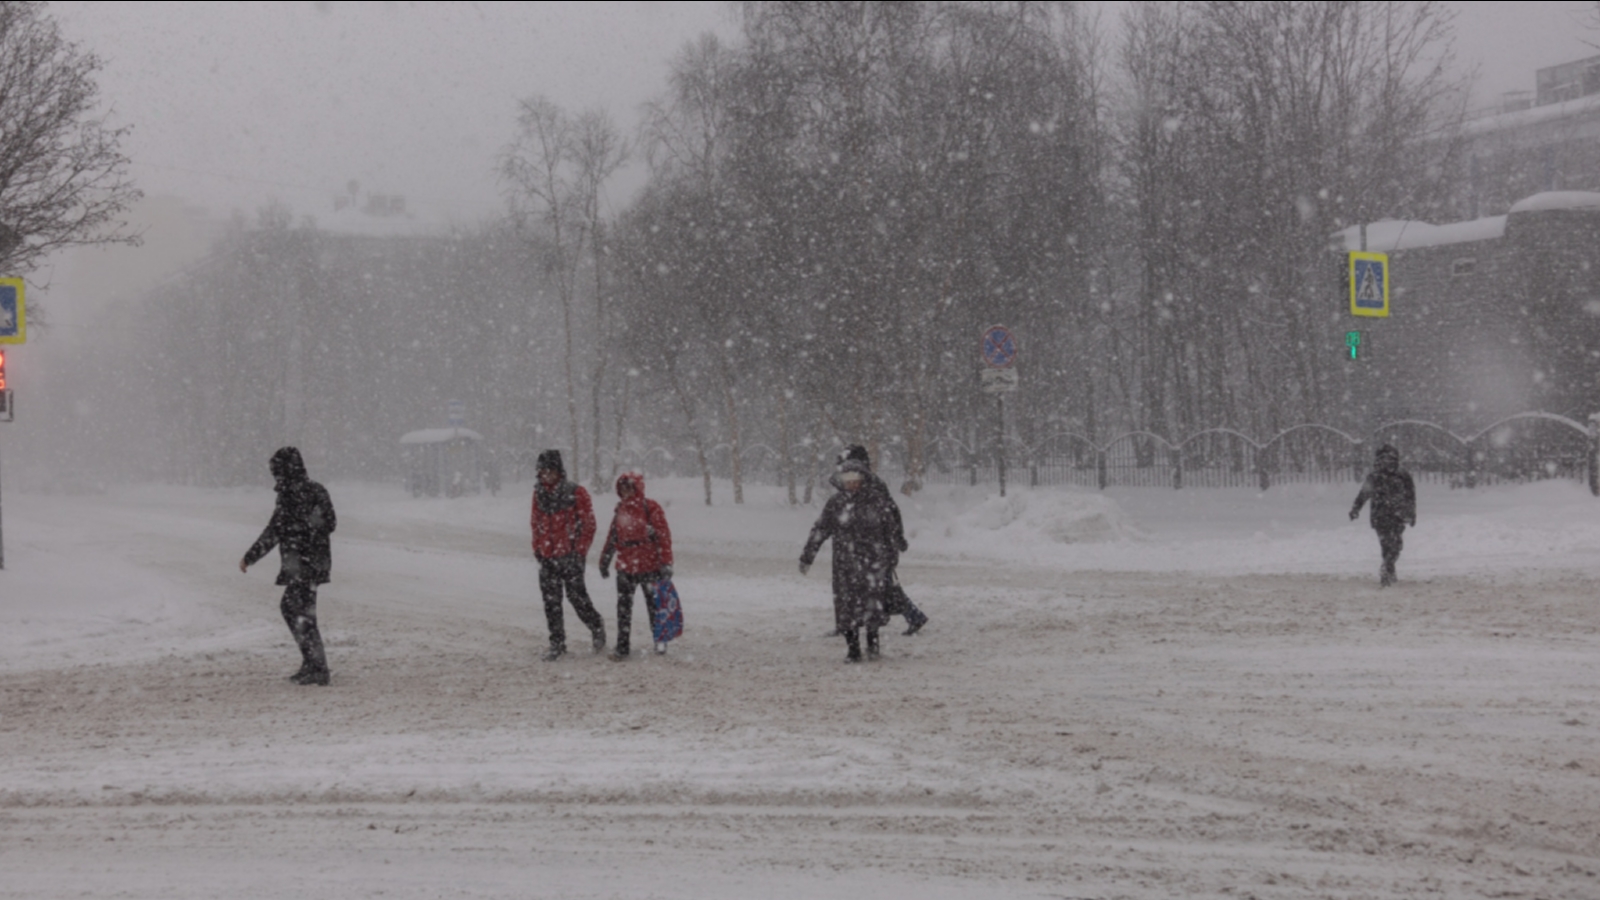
x=13, y=312
x=1369, y=284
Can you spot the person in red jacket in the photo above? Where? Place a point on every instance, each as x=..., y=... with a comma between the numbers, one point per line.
x=563, y=531
x=641, y=544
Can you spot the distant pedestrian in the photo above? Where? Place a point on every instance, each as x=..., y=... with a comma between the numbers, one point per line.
x=300, y=525
x=563, y=530
x=641, y=543
x=1394, y=505
x=868, y=538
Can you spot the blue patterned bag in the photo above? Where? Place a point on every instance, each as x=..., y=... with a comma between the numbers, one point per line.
x=666, y=622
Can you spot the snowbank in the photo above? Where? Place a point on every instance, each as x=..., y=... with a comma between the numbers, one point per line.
x=1038, y=520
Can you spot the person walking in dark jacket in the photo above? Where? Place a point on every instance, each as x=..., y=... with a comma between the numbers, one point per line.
x=300, y=525
x=641, y=543
x=864, y=524
x=563, y=531
x=1394, y=505
x=898, y=603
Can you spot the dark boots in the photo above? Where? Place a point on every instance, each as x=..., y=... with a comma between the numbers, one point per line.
x=852, y=638
x=915, y=619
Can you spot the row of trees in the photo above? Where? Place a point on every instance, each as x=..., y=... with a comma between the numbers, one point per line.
x=842, y=201
x=340, y=344
x=1252, y=132
x=838, y=203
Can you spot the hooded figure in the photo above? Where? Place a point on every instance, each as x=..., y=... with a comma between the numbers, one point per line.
x=868, y=538
x=301, y=522
x=1394, y=505
x=641, y=543
x=897, y=602
x=563, y=530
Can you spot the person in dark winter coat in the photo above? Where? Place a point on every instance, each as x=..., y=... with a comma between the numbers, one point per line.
x=864, y=524
x=1394, y=505
x=563, y=530
x=641, y=543
x=897, y=602
x=301, y=522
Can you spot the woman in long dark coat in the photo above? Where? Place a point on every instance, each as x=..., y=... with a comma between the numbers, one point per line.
x=864, y=523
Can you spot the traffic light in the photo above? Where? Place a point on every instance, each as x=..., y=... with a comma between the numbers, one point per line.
x=1352, y=343
x=2, y=370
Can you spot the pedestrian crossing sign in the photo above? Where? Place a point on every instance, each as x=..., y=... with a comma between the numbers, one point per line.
x=1369, y=284
x=13, y=313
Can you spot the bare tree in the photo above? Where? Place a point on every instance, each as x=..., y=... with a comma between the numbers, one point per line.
x=687, y=146
x=544, y=190
x=63, y=177
x=555, y=173
x=598, y=151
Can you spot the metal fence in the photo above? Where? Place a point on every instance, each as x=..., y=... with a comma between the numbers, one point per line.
x=1525, y=447
x=1529, y=446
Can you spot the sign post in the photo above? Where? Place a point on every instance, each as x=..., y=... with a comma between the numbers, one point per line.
x=13, y=330
x=999, y=351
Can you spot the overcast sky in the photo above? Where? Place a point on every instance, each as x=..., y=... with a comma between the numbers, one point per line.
x=236, y=103
x=233, y=103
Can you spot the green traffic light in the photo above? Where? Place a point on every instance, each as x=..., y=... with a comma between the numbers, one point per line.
x=1352, y=340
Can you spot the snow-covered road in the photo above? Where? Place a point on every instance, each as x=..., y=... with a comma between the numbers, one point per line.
x=1196, y=694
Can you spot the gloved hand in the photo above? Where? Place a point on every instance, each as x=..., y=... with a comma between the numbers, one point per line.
x=605, y=571
x=1413, y=521
x=804, y=567
x=666, y=572
x=1353, y=514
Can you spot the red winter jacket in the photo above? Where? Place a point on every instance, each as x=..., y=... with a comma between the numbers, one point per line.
x=562, y=520
x=639, y=536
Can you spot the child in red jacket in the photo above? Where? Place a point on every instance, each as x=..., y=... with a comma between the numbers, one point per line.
x=641, y=544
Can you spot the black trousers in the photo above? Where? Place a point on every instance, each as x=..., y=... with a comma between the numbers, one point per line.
x=1390, y=543
x=627, y=583
x=299, y=608
x=564, y=574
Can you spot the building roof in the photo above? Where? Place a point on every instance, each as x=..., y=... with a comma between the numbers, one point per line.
x=1390, y=235
x=1558, y=200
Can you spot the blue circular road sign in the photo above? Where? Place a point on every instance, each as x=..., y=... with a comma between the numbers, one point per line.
x=999, y=347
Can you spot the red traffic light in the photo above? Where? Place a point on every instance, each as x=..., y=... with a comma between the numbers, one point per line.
x=2, y=370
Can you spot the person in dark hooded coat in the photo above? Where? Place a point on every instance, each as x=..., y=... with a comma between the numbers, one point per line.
x=563, y=531
x=868, y=538
x=301, y=523
x=1394, y=505
x=641, y=544
x=897, y=602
